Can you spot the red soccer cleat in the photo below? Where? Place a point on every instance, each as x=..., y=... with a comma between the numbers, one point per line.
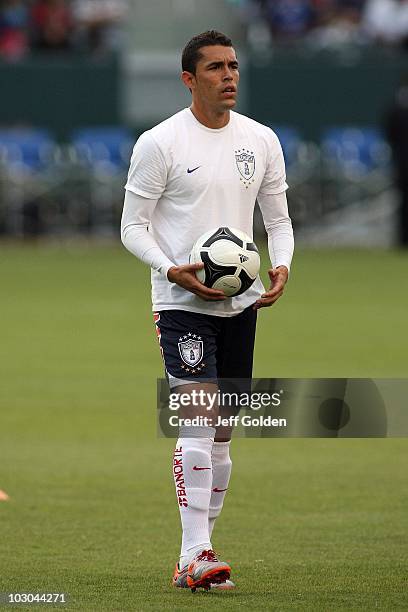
x=179, y=580
x=205, y=570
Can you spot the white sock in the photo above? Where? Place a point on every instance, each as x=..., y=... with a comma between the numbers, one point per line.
x=222, y=465
x=192, y=472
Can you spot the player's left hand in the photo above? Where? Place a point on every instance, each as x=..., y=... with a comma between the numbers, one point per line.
x=278, y=277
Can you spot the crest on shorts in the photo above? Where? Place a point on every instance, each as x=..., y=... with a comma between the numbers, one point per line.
x=245, y=160
x=191, y=350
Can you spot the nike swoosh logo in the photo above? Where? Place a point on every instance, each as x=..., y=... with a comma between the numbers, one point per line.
x=219, y=490
x=200, y=468
x=192, y=170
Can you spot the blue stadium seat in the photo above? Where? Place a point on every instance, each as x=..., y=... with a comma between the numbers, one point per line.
x=107, y=148
x=355, y=151
x=291, y=142
x=26, y=150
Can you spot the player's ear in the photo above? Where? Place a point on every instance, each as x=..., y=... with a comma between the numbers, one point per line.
x=188, y=79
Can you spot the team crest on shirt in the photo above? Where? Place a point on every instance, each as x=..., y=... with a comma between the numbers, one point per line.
x=245, y=160
x=191, y=352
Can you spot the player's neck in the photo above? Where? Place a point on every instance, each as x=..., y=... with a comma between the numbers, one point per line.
x=210, y=119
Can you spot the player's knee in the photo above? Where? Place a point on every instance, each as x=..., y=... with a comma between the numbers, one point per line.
x=197, y=467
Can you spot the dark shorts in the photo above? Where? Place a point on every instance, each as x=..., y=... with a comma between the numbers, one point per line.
x=200, y=347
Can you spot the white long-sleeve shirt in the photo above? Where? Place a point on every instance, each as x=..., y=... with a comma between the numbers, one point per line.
x=139, y=241
x=186, y=179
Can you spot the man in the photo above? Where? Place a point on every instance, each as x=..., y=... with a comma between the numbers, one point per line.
x=184, y=180
x=396, y=129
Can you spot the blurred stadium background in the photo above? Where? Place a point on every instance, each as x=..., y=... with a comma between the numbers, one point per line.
x=309, y=524
x=81, y=80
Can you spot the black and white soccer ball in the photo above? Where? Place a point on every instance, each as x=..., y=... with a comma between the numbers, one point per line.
x=231, y=260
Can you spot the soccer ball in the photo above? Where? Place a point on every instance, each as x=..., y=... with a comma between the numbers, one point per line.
x=230, y=258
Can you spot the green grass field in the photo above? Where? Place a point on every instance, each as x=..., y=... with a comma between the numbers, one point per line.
x=307, y=525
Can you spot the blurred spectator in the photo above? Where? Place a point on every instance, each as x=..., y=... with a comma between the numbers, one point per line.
x=386, y=21
x=99, y=24
x=324, y=10
x=288, y=19
x=52, y=25
x=13, y=29
x=324, y=23
x=397, y=133
x=333, y=23
x=91, y=26
x=338, y=23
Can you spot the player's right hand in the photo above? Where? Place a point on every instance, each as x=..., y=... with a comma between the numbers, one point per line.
x=185, y=277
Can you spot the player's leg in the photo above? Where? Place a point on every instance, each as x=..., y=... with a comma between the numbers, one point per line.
x=235, y=348
x=192, y=471
x=221, y=473
x=188, y=347
x=192, y=466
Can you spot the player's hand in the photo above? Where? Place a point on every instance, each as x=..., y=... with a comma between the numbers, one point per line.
x=185, y=277
x=278, y=277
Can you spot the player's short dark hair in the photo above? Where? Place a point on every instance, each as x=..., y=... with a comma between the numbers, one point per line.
x=191, y=52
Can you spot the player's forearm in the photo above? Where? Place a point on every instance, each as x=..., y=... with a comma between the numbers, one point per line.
x=281, y=244
x=138, y=241
x=136, y=237
x=278, y=226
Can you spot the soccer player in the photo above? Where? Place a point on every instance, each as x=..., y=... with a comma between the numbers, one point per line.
x=201, y=169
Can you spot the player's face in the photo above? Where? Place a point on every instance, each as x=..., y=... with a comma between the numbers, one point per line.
x=215, y=83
